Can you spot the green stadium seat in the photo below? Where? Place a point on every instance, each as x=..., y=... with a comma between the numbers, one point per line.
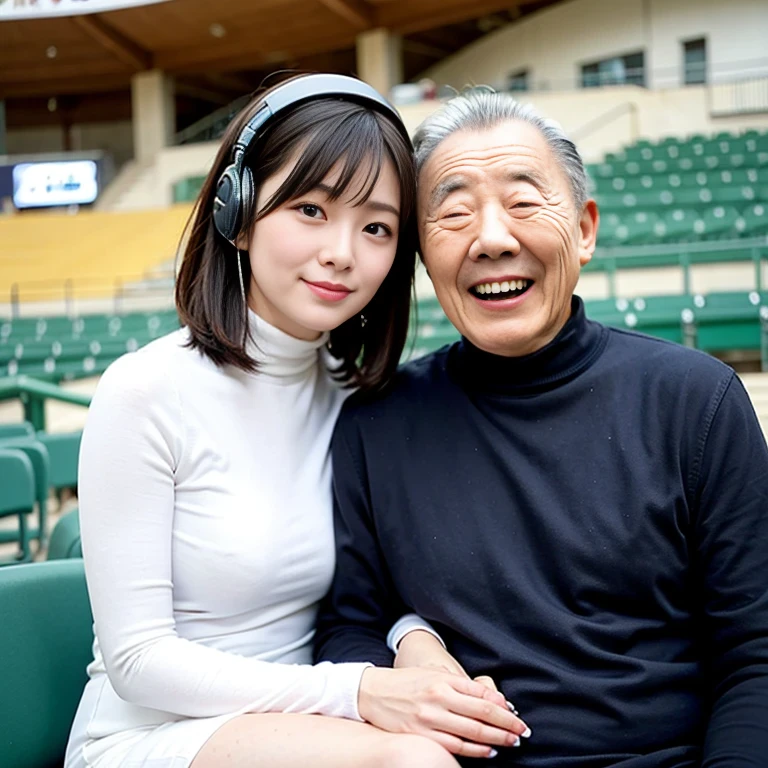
x=37, y=454
x=727, y=321
x=45, y=646
x=754, y=220
x=65, y=537
x=21, y=429
x=659, y=316
x=17, y=499
x=720, y=222
x=64, y=451
x=678, y=225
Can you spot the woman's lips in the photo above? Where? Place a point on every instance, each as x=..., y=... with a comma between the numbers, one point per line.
x=329, y=291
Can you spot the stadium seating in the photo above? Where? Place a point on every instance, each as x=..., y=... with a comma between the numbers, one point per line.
x=58, y=349
x=684, y=190
x=45, y=648
x=90, y=251
x=18, y=494
x=38, y=455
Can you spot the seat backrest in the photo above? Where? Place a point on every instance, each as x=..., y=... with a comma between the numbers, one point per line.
x=23, y=429
x=18, y=490
x=65, y=537
x=64, y=450
x=37, y=453
x=45, y=645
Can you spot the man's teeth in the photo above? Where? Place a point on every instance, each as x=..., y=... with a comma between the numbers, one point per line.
x=504, y=287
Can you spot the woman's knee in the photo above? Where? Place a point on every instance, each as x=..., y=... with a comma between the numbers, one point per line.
x=406, y=751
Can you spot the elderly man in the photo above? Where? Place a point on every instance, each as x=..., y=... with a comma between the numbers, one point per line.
x=580, y=512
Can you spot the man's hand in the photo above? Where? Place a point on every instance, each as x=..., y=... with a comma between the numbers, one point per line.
x=422, y=649
x=462, y=715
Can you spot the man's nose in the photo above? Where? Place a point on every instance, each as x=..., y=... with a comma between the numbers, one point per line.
x=495, y=237
x=338, y=249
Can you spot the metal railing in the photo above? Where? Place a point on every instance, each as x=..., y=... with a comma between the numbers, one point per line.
x=34, y=393
x=66, y=295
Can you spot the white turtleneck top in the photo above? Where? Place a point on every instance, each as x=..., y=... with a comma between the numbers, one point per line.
x=206, y=515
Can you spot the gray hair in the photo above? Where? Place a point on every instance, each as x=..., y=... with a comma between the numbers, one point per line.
x=481, y=109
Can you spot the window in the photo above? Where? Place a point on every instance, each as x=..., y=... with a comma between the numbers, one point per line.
x=518, y=81
x=695, y=62
x=619, y=70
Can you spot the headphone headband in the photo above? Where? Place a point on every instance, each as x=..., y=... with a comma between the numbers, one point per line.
x=235, y=188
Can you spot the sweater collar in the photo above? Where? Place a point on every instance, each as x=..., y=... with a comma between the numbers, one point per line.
x=573, y=350
x=278, y=354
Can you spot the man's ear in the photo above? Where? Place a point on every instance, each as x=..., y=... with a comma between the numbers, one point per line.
x=588, y=225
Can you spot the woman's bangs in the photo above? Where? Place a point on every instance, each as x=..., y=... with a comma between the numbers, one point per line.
x=354, y=146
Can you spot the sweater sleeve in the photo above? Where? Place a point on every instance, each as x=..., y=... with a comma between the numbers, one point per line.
x=362, y=604
x=731, y=529
x=132, y=443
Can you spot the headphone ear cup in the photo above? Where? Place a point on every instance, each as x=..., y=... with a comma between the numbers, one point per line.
x=228, y=203
x=247, y=194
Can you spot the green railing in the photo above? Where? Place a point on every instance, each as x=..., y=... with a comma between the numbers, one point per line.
x=34, y=393
x=683, y=255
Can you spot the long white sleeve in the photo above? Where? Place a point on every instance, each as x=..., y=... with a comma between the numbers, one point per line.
x=175, y=537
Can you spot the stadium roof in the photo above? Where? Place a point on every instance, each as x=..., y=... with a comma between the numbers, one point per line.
x=219, y=50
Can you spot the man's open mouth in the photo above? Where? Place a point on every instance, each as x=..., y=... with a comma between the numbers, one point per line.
x=505, y=289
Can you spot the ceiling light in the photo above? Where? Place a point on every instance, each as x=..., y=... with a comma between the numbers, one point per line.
x=217, y=30
x=51, y=51
x=52, y=104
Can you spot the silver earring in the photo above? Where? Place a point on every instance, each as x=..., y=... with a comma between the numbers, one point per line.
x=363, y=320
x=242, y=285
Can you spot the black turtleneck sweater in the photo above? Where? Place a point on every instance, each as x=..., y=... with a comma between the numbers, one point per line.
x=588, y=525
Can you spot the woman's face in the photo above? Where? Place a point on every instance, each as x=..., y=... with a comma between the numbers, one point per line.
x=316, y=262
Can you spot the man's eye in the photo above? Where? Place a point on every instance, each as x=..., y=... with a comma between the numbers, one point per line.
x=523, y=204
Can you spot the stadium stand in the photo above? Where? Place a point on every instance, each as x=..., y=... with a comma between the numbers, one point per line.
x=61, y=348
x=92, y=249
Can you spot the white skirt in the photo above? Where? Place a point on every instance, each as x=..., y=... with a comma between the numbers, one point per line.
x=166, y=745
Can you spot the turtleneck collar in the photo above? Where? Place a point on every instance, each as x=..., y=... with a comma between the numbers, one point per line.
x=279, y=355
x=577, y=345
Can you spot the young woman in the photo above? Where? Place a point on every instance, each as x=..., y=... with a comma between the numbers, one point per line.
x=205, y=489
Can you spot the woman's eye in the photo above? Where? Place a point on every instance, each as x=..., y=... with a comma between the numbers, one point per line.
x=312, y=211
x=378, y=230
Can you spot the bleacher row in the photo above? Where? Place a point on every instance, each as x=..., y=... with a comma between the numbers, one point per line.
x=33, y=464
x=683, y=190
x=715, y=322
x=62, y=348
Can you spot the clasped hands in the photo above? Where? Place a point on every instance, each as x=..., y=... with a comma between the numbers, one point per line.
x=428, y=693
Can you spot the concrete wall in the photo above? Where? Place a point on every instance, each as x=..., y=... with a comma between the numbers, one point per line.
x=605, y=119
x=554, y=43
x=114, y=138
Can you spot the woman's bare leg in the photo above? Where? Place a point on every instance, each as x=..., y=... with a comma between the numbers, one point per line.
x=301, y=741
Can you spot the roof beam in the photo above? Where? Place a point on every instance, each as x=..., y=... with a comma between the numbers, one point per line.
x=409, y=18
x=357, y=12
x=128, y=52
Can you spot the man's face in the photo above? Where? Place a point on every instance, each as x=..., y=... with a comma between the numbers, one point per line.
x=501, y=237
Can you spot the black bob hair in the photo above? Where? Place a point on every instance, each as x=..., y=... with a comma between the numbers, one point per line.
x=323, y=133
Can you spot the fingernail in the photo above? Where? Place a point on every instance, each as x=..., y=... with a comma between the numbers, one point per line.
x=512, y=708
x=493, y=753
x=517, y=743
x=526, y=734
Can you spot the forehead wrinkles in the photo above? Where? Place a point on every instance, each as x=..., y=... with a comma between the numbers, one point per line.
x=471, y=165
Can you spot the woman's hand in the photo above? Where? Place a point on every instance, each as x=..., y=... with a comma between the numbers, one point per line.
x=462, y=715
x=422, y=649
